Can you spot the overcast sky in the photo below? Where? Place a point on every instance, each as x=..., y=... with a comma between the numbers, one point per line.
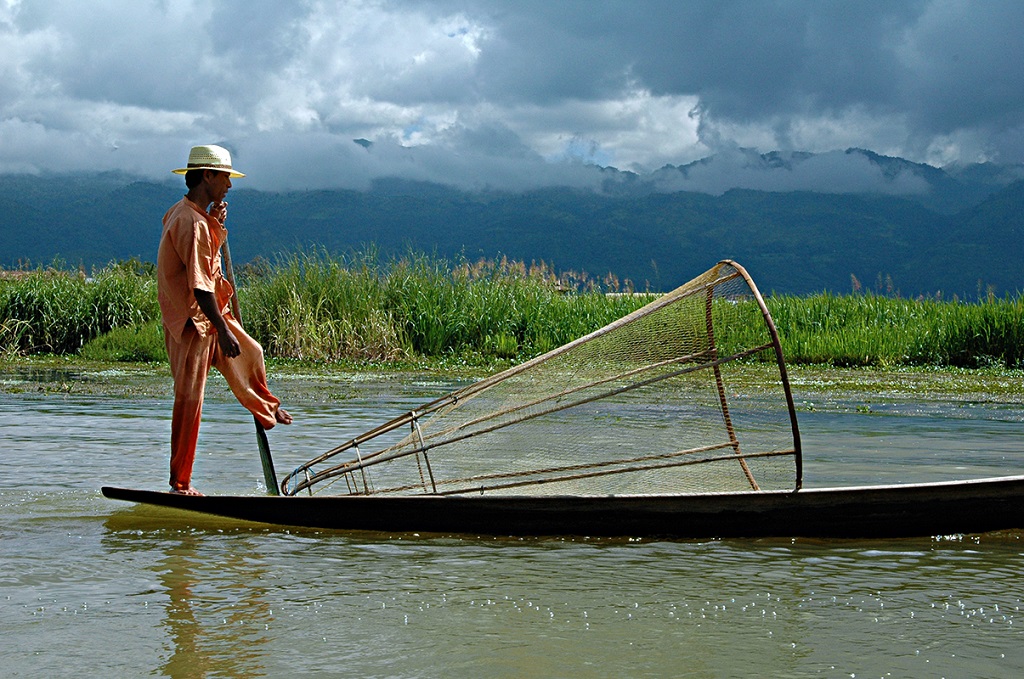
x=507, y=93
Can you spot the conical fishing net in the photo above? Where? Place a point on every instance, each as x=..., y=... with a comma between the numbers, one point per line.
x=687, y=395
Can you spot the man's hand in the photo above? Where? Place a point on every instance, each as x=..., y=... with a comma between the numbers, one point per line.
x=219, y=211
x=226, y=340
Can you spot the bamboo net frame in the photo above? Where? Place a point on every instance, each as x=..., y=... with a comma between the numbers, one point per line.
x=642, y=405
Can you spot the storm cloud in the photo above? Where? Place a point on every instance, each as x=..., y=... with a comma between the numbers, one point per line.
x=503, y=94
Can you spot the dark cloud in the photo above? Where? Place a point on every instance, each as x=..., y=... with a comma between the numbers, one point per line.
x=750, y=60
x=943, y=66
x=965, y=67
x=514, y=93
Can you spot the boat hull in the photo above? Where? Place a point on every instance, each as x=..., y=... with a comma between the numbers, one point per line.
x=945, y=508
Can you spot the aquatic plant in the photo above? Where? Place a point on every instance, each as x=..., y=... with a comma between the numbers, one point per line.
x=315, y=306
x=873, y=330
x=139, y=343
x=360, y=307
x=55, y=311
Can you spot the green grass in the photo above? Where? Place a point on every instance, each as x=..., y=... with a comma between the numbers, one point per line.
x=315, y=307
x=54, y=311
x=868, y=330
x=360, y=310
x=142, y=343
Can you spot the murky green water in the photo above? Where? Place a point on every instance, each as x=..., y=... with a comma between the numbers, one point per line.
x=98, y=588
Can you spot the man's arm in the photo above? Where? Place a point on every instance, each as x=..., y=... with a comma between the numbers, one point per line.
x=225, y=338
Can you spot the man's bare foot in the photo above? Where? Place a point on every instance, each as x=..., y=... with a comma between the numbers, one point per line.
x=186, y=491
x=283, y=416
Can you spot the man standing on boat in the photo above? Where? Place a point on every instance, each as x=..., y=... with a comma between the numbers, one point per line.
x=199, y=330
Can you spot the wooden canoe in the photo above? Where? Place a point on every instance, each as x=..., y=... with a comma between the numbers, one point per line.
x=905, y=510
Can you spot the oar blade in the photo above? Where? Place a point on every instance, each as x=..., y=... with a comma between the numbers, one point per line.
x=269, y=475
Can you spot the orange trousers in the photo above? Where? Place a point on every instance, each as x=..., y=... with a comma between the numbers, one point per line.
x=191, y=360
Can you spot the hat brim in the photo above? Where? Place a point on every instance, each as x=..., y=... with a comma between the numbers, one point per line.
x=234, y=174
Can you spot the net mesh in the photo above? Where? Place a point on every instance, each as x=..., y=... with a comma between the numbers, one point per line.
x=657, y=402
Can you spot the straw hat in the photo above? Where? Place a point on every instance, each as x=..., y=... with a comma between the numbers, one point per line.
x=209, y=157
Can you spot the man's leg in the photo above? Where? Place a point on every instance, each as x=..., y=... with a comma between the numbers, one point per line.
x=246, y=374
x=190, y=361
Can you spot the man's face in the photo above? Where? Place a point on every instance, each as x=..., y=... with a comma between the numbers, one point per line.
x=218, y=183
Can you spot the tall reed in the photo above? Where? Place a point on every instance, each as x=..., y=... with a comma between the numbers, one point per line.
x=49, y=310
x=312, y=306
x=319, y=307
x=315, y=306
x=870, y=330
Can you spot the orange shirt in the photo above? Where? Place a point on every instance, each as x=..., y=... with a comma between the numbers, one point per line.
x=189, y=259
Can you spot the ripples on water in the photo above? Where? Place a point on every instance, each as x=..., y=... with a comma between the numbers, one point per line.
x=105, y=589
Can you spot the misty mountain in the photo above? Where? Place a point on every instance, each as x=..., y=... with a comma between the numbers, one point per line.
x=854, y=171
x=957, y=231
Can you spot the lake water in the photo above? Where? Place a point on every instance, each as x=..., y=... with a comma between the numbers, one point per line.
x=99, y=588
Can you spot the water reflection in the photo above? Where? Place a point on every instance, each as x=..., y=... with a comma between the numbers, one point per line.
x=106, y=589
x=177, y=576
x=217, y=613
x=39, y=375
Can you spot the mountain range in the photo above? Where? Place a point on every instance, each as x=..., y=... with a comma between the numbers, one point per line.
x=926, y=231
